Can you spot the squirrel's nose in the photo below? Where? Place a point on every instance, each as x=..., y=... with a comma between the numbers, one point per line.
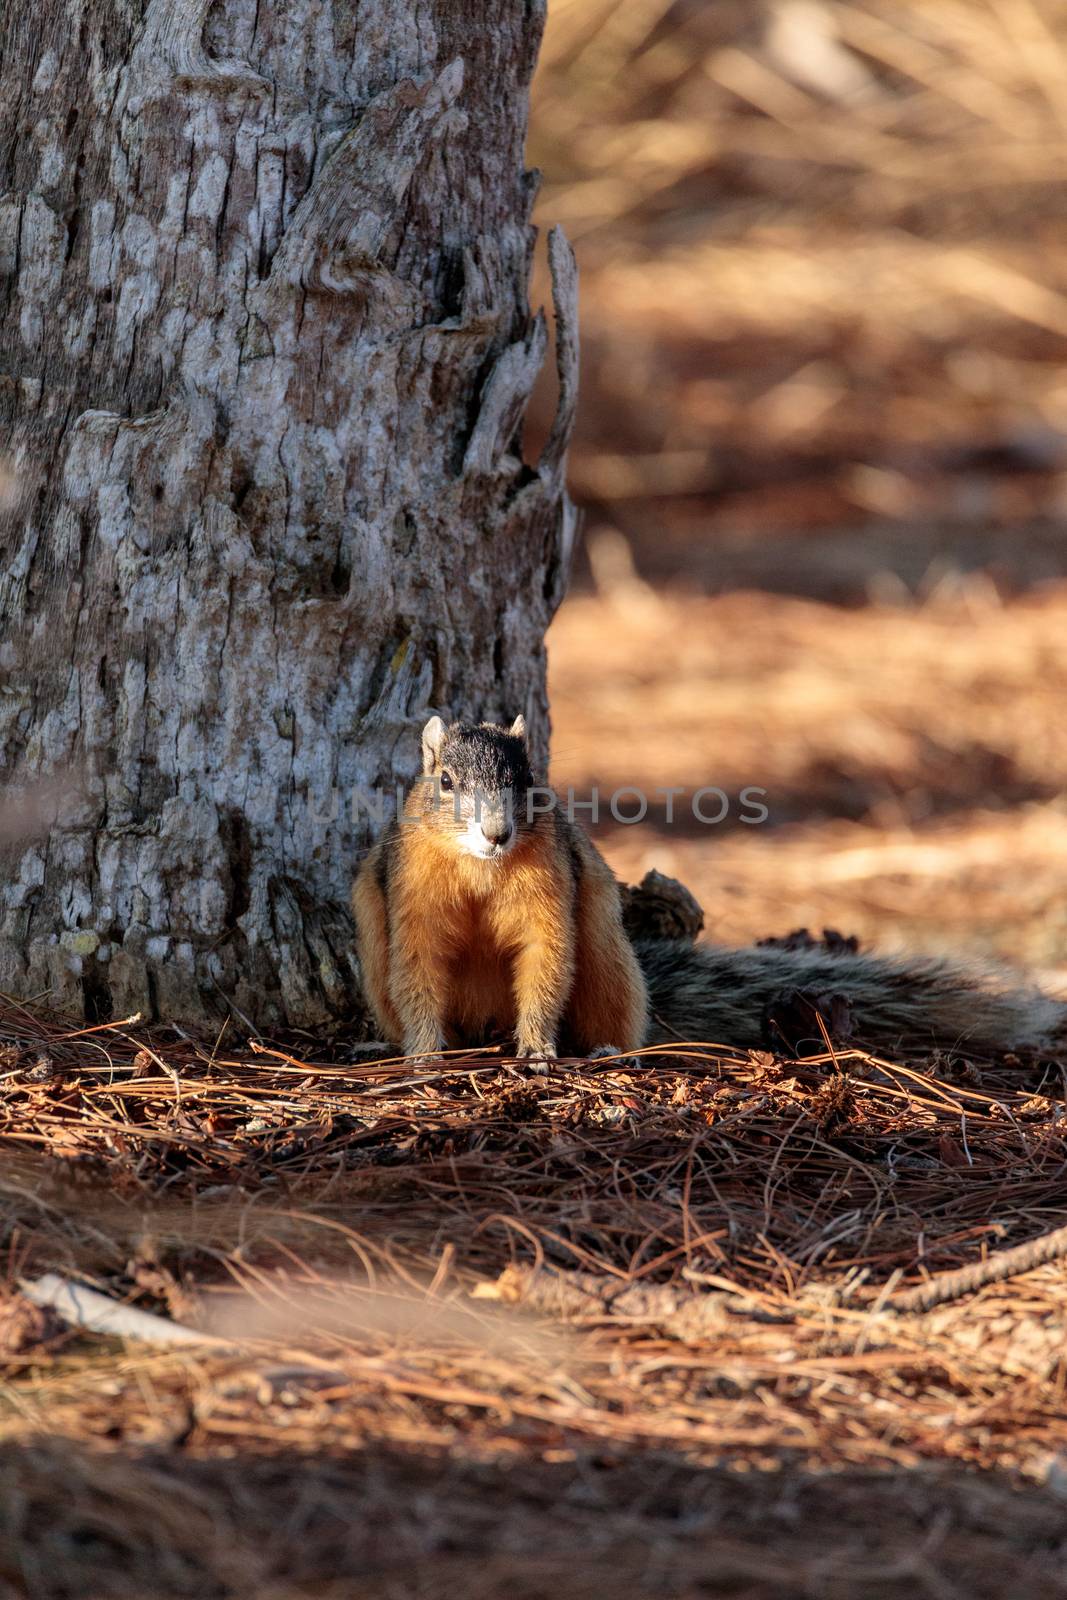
x=498, y=833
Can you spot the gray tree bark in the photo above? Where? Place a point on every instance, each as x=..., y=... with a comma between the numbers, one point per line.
x=265, y=351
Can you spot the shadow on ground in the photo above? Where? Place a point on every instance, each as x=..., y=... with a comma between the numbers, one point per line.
x=557, y=1524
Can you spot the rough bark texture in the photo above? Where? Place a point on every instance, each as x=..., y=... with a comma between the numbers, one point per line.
x=265, y=351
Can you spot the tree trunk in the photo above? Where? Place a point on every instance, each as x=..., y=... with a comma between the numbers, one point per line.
x=265, y=351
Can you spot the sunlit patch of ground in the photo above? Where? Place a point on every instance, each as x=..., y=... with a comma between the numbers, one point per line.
x=913, y=760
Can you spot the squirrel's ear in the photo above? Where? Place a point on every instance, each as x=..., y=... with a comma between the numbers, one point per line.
x=518, y=727
x=432, y=739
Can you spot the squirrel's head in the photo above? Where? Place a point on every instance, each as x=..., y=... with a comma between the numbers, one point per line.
x=474, y=784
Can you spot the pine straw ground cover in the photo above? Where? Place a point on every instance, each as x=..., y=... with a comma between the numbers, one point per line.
x=632, y=1327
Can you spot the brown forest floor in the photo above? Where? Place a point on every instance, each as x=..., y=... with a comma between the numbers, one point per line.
x=493, y=1333
x=606, y=1329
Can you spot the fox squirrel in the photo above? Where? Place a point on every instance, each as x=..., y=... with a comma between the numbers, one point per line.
x=476, y=918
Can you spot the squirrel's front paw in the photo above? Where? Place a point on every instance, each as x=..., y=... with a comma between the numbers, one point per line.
x=538, y=1052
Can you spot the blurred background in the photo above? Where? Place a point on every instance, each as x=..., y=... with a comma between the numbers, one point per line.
x=822, y=453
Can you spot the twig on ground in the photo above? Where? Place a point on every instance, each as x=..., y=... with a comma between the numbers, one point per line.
x=1011, y=1263
x=98, y=1313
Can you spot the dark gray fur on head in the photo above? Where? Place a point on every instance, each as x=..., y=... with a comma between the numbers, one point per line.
x=482, y=757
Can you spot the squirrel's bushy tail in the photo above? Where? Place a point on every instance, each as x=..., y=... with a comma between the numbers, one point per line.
x=704, y=993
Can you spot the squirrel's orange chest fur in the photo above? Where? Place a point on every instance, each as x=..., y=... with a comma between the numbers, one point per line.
x=478, y=915
x=479, y=997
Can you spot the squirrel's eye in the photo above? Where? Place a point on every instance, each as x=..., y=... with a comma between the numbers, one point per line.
x=446, y=783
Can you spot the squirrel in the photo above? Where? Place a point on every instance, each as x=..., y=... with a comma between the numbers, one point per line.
x=479, y=915
x=474, y=915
